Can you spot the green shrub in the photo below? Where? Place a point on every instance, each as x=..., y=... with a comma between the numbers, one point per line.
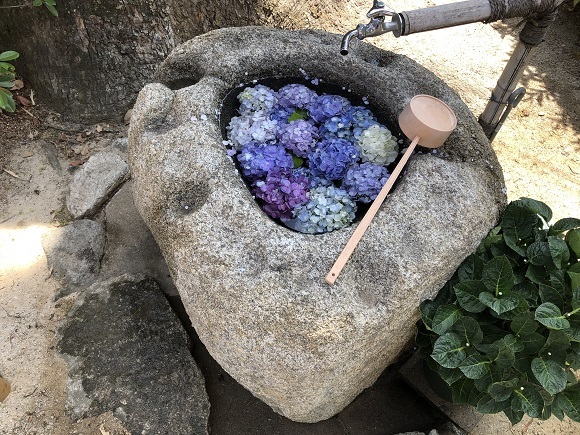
x=6, y=78
x=504, y=332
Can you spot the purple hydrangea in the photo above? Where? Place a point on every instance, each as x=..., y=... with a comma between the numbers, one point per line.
x=332, y=158
x=296, y=96
x=256, y=159
x=328, y=209
x=282, y=192
x=362, y=118
x=327, y=106
x=364, y=181
x=257, y=98
x=299, y=136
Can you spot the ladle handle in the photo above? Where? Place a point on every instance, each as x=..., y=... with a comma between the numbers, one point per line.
x=368, y=217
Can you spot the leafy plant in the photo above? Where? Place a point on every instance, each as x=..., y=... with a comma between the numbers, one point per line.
x=50, y=5
x=6, y=78
x=504, y=332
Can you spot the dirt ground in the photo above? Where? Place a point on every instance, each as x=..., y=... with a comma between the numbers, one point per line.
x=538, y=148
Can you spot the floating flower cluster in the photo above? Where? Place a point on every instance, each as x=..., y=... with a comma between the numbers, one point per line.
x=309, y=158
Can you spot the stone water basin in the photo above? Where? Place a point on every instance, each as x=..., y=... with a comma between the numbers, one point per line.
x=254, y=289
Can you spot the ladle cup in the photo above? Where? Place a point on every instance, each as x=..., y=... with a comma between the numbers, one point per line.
x=426, y=120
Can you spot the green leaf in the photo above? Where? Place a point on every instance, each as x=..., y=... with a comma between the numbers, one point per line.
x=488, y=405
x=573, y=239
x=37, y=2
x=298, y=114
x=574, y=274
x=501, y=354
x=505, y=302
x=556, y=347
x=528, y=290
x=6, y=66
x=550, y=375
x=492, y=374
x=461, y=390
x=445, y=317
x=7, y=102
x=297, y=161
x=514, y=416
x=573, y=332
x=8, y=55
x=502, y=390
x=467, y=293
x=5, y=84
x=449, y=351
x=512, y=342
x=518, y=224
x=550, y=316
x=557, y=411
x=449, y=375
x=576, y=298
x=475, y=366
x=569, y=402
x=532, y=343
x=524, y=324
x=537, y=274
x=537, y=207
x=539, y=254
x=51, y=8
x=564, y=225
x=471, y=268
x=550, y=294
x=528, y=400
x=427, y=308
x=497, y=275
x=559, y=251
x=573, y=358
x=468, y=329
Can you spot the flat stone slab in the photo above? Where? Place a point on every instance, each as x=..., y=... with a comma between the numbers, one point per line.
x=255, y=290
x=94, y=183
x=74, y=251
x=127, y=353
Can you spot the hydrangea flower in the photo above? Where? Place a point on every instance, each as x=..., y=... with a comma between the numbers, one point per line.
x=282, y=191
x=332, y=158
x=338, y=126
x=327, y=106
x=256, y=99
x=296, y=96
x=314, y=180
x=364, y=181
x=328, y=209
x=256, y=159
x=362, y=118
x=299, y=136
x=281, y=114
x=377, y=145
x=256, y=127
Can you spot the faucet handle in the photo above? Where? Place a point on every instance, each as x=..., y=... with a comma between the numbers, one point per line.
x=380, y=9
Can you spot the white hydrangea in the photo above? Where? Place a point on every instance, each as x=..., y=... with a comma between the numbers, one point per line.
x=377, y=145
x=256, y=127
x=257, y=98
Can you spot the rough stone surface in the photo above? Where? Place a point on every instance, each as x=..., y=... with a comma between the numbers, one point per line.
x=73, y=252
x=130, y=245
x=127, y=353
x=94, y=183
x=255, y=290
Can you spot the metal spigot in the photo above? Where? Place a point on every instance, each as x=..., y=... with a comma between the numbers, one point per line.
x=375, y=27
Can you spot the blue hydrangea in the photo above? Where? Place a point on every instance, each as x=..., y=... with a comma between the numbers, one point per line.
x=332, y=158
x=314, y=180
x=281, y=114
x=256, y=99
x=256, y=159
x=364, y=181
x=256, y=127
x=299, y=136
x=328, y=209
x=282, y=192
x=296, y=96
x=327, y=106
x=362, y=118
x=338, y=126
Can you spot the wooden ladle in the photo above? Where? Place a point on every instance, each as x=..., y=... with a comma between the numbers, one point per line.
x=429, y=122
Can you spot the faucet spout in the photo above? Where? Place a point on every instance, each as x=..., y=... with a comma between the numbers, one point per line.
x=375, y=27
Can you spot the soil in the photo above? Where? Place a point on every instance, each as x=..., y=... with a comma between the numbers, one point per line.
x=538, y=148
